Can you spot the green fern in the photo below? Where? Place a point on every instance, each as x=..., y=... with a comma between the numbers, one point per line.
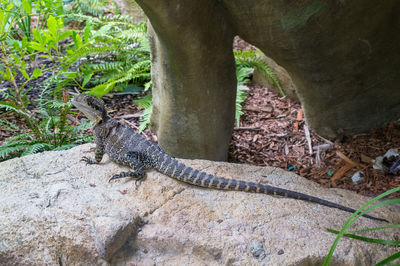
x=92, y=7
x=36, y=147
x=242, y=75
x=249, y=58
x=10, y=126
x=53, y=132
x=147, y=105
x=116, y=54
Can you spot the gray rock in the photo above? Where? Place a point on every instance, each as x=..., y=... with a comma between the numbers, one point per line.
x=285, y=81
x=357, y=177
x=54, y=209
x=341, y=55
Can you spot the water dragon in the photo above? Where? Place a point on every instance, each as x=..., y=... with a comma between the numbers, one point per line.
x=126, y=147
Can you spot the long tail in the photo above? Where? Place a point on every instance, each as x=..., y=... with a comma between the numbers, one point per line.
x=173, y=168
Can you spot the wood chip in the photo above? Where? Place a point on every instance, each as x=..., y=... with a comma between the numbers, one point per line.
x=339, y=173
x=347, y=159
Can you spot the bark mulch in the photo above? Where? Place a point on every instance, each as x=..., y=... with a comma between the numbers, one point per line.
x=272, y=132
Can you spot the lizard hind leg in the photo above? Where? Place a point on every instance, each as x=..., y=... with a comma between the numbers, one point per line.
x=137, y=175
x=137, y=168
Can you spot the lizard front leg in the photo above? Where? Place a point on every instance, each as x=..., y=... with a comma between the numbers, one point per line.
x=97, y=156
x=137, y=165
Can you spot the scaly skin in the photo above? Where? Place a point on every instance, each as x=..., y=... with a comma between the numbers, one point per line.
x=124, y=146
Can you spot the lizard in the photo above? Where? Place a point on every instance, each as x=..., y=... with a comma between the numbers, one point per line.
x=126, y=147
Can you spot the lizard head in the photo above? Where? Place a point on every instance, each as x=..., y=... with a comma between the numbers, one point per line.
x=92, y=107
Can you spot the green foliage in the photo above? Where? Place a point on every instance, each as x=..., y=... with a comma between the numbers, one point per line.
x=49, y=131
x=245, y=62
x=242, y=75
x=110, y=53
x=147, y=105
x=363, y=210
x=16, y=17
x=250, y=59
x=89, y=7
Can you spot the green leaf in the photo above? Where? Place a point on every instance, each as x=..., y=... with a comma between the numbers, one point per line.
x=71, y=75
x=37, y=72
x=37, y=36
x=389, y=259
x=6, y=75
x=37, y=46
x=376, y=228
x=86, y=31
x=52, y=25
x=77, y=39
x=23, y=72
x=368, y=239
x=65, y=35
x=86, y=78
x=363, y=209
x=27, y=5
x=16, y=44
x=102, y=89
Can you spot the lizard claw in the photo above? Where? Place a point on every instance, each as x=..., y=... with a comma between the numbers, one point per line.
x=87, y=160
x=138, y=180
x=116, y=176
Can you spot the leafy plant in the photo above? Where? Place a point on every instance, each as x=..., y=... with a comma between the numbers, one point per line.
x=249, y=58
x=89, y=7
x=110, y=53
x=49, y=131
x=14, y=59
x=48, y=41
x=19, y=17
x=363, y=210
x=146, y=104
x=242, y=75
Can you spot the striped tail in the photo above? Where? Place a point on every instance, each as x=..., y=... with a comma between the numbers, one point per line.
x=173, y=168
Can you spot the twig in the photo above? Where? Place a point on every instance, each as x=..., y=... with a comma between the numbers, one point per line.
x=308, y=138
x=259, y=109
x=248, y=128
x=325, y=146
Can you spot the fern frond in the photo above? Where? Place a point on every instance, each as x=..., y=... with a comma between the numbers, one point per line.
x=241, y=96
x=118, y=19
x=106, y=66
x=93, y=7
x=10, y=107
x=65, y=147
x=130, y=35
x=85, y=51
x=78, y=16
x=37, y=147
x=147, y=104
x=7, y=152
x=7, y=125
x=19, y=139
x=242, y=74
x=250, y=58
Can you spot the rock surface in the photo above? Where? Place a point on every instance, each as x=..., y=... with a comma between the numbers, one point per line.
x=343, y=57
x=56, y=210
x=285, y=81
